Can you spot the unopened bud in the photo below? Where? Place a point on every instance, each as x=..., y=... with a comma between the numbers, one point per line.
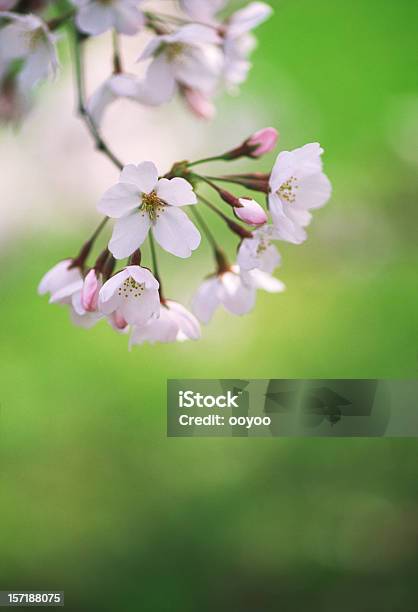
x=262, y=142
x=251, y=212
x=255, y=146
x=90, y=291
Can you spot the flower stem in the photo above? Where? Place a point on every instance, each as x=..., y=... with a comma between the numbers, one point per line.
x=218, y=253
x=255, y=184
x=117, y=61
x=236, y=228
x=206, y=160
x=155, y=262
x=99, y=229
x=82, y=108
x=205, y=228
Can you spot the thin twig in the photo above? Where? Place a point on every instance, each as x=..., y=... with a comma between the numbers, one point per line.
x=82, y=108
x=235, y=227
x=155, y=262
x=205, y=228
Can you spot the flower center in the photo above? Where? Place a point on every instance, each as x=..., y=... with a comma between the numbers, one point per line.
x=287, y=190
x=130, y=288
x=36, y=37
x=263, y=246
x=174, y=50
x=151, y=205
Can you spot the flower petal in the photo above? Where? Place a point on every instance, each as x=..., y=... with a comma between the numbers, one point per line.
x=175, y=233
x=137, y=311
x=144, y=176
x=110, y=288
x=143, y=275
x=64, y=294
x=120, y=200
x=186, y=321
x=176, y=192
x=95, y=18
x=313, y=191
x=99, y=101
x=248, y=18
x=128, y=234
x=236, y=297
x=205, y=300
x=127, y=18
x=286, y=228
x=164, y=329
x=59, y=276
x=263, y=280
x=159, y=84
x=195, y=34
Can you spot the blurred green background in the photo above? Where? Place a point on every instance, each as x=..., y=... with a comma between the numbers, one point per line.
x=96, y=501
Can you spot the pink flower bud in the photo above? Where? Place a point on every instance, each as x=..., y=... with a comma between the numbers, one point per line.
x=199, y=104
x=264, y=141
x=117, y=321
x=90, y=291
x=251, y=212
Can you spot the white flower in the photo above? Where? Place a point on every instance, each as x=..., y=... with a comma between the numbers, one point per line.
x=258, y=252
x=97, y=16
x=202, y=10
x=235, y=290
x=140, y=202
x=297, y=185
x=239, y=42
x=116, y=86
x=175, y=324
x=60, y=276
x=132, y=294
x=27, y=37
x=66, y=286
x=189, y=57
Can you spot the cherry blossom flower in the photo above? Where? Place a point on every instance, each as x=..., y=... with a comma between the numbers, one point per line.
x=251, y=212
x=27, y=37
x=297, y=185
x=140, y=202
x=258, y=251
x=239, y=42
x=97, y=16
x=132, y=295
x=69, y=294
x=202, y=10
x=235, y=290
x=187, y=58
x=115, y=87
x=59, y=277
x=175, y=324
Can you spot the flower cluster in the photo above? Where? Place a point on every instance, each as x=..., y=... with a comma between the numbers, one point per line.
x=146, y=205
x=192, y=51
